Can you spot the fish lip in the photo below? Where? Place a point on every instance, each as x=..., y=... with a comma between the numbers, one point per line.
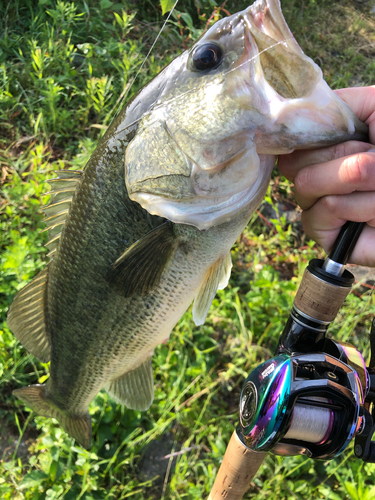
x=276, y=28
x=256, y=13
x=361, y=136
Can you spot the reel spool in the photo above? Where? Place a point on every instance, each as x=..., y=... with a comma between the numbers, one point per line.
x=305, y=404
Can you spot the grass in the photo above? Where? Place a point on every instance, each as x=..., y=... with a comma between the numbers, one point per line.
x=64, y=68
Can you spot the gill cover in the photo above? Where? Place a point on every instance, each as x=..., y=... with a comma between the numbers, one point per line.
x=242, y=94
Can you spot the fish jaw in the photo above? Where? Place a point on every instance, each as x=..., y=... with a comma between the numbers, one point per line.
x=318, y=120
x=195, y=158
x=303, y=112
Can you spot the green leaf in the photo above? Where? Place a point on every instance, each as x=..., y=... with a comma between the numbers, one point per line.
x=328, y=493
x=352, y=490
x=166, y=5
x=53, y=470
x=188, y=20
x=105, y=4
x=34, y=478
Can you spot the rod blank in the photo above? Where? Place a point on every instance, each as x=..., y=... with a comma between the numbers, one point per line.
x=345, y=242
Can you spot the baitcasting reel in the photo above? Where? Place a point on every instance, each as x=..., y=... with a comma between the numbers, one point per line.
x=316, y=394
x=309, y=404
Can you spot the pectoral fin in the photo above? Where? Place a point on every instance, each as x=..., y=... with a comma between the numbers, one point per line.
x=141, y=266
x=135, y=389
x=226, y=269
x=216, y=278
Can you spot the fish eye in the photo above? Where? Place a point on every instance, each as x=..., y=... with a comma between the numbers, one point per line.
x=207, y=56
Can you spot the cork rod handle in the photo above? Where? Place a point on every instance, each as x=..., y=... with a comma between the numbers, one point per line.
x=238, y=468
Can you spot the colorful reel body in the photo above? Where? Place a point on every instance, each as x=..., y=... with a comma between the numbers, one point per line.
x=305, y=403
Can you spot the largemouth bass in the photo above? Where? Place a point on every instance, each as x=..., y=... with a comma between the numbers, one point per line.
x=147, y=227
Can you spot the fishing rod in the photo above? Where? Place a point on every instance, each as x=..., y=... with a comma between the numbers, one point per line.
x=316, y=394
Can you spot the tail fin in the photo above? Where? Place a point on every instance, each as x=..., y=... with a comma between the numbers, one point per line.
x=79, y=427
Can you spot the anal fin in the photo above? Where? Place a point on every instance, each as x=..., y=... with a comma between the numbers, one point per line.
x=77, y=426
x=134, y=389
x=216, y=278
x=26, y=317
x=141, y=266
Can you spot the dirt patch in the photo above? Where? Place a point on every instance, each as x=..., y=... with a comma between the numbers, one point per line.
x=9, y=441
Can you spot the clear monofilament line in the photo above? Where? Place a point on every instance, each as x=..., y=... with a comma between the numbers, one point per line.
x=116, y=108
x=206, y=84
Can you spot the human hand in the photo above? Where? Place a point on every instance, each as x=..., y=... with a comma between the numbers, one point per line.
x=337, y=183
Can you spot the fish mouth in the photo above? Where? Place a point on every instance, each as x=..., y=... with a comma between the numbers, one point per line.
x=285, y=67
x=265, y=16
x=279, y=102
x=293, y=82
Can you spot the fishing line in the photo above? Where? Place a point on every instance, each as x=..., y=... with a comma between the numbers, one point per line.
x=310, y=423
x=116, y=108
x=206, y=84
x=214, y=82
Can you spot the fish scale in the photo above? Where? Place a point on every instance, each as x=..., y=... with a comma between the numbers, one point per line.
x=130, y=328
x=148, y=225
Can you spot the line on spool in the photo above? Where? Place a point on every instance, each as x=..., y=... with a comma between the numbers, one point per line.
x=311, y=424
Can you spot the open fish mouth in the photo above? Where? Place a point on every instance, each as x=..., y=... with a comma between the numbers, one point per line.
x=285, y=67
x=246, y=92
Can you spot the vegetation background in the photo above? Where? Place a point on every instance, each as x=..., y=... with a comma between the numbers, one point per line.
x=64, y=68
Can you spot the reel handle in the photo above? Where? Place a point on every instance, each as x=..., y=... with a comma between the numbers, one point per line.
x=239, y=466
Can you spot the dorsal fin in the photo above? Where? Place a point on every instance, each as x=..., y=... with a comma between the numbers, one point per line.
x=26, y=317
x=63, y=190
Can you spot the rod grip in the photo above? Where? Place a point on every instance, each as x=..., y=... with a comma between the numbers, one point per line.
x=238, y=468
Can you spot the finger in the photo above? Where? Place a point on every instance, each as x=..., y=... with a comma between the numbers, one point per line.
x=363, y=253
x=340, y=176
x=361, y=100
x=332, y=211
x=323, y=221
x=290, y=165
